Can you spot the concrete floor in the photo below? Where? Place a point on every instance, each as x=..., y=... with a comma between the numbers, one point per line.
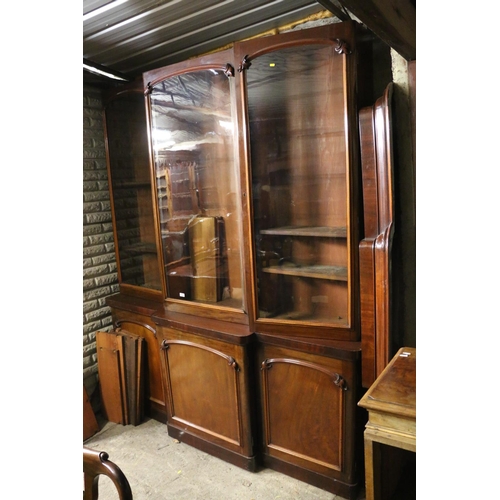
x=158, y=467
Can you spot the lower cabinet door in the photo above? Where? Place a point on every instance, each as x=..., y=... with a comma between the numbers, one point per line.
x=207, y=390
x=308, y=414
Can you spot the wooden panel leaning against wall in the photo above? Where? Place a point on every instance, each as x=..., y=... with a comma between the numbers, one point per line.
x=137, y=320
x=376, y=246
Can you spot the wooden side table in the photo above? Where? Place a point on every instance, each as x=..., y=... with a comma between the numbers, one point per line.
x=391, y=405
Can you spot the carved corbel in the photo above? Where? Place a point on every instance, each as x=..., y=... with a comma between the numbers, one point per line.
x=229, y=71
x=245, y=64
x=342, y=47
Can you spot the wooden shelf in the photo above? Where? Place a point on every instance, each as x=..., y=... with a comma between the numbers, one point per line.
x=320, y=231
x=336, y=273
x=132, y=184
x=183, y=270
x=141, y=248
x=301, y=316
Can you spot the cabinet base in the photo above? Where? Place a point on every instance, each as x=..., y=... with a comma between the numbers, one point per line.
x=346, y=490
x=247, y=463
x=156, y=412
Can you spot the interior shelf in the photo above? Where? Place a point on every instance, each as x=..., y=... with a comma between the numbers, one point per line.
x=133, y=184
x=141, y=248
x=337, y=273
x=184, y=270
x=319, y=231
x=301, y=316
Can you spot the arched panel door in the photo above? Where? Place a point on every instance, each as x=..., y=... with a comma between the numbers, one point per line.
x=204, y=390
x=304, y=423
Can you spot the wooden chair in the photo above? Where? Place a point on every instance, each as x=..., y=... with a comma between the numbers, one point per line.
x=96, y=463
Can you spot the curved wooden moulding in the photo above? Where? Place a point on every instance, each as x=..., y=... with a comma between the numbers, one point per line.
x=230, y=360
x=119, y=325
x=335, y=377
x=341, y=47
x=375, y=248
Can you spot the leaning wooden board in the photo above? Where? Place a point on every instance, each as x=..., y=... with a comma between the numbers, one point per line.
x=120, y=367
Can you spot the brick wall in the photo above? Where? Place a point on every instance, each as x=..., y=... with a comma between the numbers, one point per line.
x=99, y=264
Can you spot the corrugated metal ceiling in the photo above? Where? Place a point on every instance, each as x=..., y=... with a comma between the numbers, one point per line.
x=133, y=36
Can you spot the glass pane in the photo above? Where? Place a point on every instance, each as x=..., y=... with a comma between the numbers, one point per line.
x=128, y=154
x=197, y=181
x=299, y=166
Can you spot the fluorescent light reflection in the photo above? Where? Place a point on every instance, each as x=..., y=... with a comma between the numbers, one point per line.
x=163, y=139
x=102, y=73
x=227, y=125
x=101, y=10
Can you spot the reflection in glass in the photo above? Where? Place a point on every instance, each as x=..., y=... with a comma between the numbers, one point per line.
x=197, y=182
x=298, y=152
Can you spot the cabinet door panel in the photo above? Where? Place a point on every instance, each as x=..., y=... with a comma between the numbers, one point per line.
x=304, y=408
x=204, y=389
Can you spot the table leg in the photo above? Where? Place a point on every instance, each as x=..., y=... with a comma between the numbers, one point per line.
x=372, y=468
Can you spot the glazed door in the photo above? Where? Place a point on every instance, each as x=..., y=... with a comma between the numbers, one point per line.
x=297, y=106
x=131, y=195
x=193, y=134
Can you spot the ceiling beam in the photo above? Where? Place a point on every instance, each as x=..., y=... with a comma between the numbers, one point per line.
x=393, y=21
x=336, y=8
